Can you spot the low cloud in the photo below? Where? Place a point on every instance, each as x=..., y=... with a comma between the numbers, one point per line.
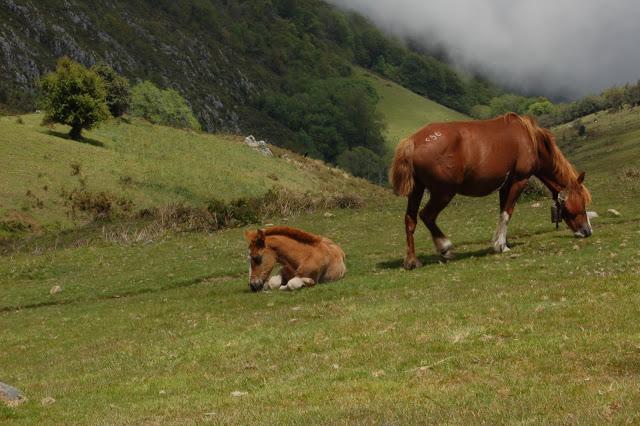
x=560, y=48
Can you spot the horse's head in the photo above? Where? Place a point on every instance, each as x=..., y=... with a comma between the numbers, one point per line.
x=573, y=202
x=262, y=259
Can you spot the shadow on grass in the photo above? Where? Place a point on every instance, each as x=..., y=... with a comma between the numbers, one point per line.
x=88, y=141
x=434, y=259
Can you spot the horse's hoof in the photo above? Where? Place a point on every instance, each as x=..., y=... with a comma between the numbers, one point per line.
x=412, y=264
x=308, y=282
x=274, y=283
x=447, y=255
x=501, y=248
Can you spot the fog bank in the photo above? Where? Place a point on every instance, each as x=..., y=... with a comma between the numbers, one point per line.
x=560, y=48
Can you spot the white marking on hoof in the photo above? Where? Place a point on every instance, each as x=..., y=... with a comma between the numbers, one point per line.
x=500, y=237
x=295, y=283
x=443, y=245
x=308, y=282
x=274, y=283
x=498, y=248
x=444, y=248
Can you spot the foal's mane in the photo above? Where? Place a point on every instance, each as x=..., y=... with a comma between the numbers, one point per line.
x=562, y=169
x=293, y=233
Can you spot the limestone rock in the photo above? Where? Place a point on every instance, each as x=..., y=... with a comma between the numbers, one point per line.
x=11, y=396
x=614, y=212
x=48, y=401
x=260, y=146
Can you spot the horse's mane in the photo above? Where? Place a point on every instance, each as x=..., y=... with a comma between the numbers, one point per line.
x=561, y=168
x=293, y=233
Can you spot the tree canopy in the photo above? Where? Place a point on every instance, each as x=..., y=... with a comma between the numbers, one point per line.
x=75, y=96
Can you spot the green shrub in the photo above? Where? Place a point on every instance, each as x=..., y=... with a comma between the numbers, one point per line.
x=159, y=106
x=118, y=90
x=614, y=98
x=535, y=190
x=75, y=96
x=541, y=107
x=481, y=112
x=364, y=163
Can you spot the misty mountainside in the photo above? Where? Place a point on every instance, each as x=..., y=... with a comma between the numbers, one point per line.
x=228, y=58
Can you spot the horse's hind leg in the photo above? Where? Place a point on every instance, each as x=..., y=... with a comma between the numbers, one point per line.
x=509, y=195
x=437, y=202
x=410, y=222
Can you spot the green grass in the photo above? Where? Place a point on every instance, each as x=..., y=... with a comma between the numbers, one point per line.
x=164, y=331
x=150, y=165
x=405, y=111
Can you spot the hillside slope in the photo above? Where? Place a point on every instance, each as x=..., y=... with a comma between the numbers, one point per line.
x=166, y=331
x=405, y=111
x=148, y=165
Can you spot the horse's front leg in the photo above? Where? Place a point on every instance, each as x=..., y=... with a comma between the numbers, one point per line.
x=410, y=222
x=282, y=279
x=307, y=275
x=437, y=202
x=509, y=195
x=296, y=283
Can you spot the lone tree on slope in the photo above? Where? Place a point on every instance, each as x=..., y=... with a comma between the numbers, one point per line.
x=75, y=96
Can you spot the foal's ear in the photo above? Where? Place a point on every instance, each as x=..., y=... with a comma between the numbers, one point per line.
x=581, y=177
x=260, y=238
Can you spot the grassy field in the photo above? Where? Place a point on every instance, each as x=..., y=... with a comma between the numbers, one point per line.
x=167, y=332
x=147, y=165
x=405, y=111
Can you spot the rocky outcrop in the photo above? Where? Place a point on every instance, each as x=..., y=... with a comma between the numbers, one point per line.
x=215, y=81
x=260, y=146
x=11, y=396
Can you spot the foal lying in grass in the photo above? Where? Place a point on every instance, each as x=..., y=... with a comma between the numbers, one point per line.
x=306, y=259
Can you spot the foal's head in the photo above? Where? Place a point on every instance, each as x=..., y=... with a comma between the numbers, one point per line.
x=574, y=200
x=262, y=259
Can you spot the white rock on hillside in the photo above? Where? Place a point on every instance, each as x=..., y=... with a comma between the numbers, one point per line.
x=260, y=146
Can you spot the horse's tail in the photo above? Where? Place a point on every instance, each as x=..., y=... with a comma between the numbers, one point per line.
x=401, y=174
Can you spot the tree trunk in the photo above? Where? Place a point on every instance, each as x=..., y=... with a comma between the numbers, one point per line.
x=76, y=133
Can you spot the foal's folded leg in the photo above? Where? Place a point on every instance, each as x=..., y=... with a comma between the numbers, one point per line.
x=293, y=284
x=297, y=283
x=308, y=282
x=274, y=283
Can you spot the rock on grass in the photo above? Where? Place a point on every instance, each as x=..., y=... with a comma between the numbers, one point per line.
x=11, y=396
x=614, y=212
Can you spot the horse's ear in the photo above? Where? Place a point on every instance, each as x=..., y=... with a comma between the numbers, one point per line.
x=260, y=238
x=247, y=236
x=581, y=177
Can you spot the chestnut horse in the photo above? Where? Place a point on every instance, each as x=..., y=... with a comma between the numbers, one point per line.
x=306, y=259
x=476, y=158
